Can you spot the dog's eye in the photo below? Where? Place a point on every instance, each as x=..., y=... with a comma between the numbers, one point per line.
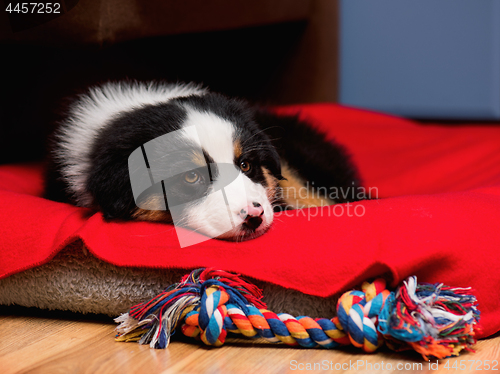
x=245, y=166
x=191, y=177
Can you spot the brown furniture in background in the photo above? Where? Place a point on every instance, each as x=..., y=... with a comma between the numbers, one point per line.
x=268, y=51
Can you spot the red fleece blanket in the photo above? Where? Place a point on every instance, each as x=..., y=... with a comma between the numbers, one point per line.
x=438, y=217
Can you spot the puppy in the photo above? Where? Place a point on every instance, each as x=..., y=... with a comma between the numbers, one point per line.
x=179, y=153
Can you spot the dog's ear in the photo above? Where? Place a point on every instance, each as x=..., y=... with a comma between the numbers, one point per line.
x=275, y=166
x=272, y=128
x=112, y=193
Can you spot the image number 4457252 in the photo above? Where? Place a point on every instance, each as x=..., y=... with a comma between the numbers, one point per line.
x=25, y=15
x=33, y=8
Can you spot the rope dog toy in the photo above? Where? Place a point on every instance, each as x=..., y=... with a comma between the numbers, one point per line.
x=435, y=320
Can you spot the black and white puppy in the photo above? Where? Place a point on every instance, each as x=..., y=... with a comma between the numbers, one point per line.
x=278, y=161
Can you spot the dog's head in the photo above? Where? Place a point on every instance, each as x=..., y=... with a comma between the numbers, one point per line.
x=215, y=172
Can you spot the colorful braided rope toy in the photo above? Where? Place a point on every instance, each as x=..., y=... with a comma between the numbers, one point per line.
x=434, y=320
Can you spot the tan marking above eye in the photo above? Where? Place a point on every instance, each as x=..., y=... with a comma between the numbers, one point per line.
x=198, y=159
x=245, y=166
x=237, y=149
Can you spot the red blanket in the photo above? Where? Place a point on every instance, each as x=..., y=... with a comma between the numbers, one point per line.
x=438, y=218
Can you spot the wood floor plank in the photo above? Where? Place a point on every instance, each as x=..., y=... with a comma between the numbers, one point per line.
x=31, y=344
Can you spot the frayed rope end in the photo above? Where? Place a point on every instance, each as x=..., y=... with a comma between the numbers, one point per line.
x=155, y=321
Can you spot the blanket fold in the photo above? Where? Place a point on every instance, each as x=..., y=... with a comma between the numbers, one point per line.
x=438, y=218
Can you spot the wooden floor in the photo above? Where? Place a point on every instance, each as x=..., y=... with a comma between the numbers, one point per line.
x=33, y=341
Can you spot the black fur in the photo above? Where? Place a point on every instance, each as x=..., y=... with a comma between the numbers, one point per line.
x=257, y=147
x=265, y=138
x=109, y=181
x=321, y=162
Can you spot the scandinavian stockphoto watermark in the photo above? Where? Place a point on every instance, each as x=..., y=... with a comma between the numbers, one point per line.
x=160, y=171
x=319, y=201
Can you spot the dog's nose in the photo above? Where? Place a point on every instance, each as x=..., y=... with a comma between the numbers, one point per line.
x=252, y=215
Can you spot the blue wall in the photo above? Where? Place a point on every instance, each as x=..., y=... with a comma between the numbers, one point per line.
x=421, y=58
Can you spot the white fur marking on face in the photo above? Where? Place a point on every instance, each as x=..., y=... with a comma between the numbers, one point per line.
x=216, y=136
x=213, y=133
x=92, y=112
x=205, y=217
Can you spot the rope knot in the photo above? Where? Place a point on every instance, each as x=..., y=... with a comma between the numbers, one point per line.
x=358, y=314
